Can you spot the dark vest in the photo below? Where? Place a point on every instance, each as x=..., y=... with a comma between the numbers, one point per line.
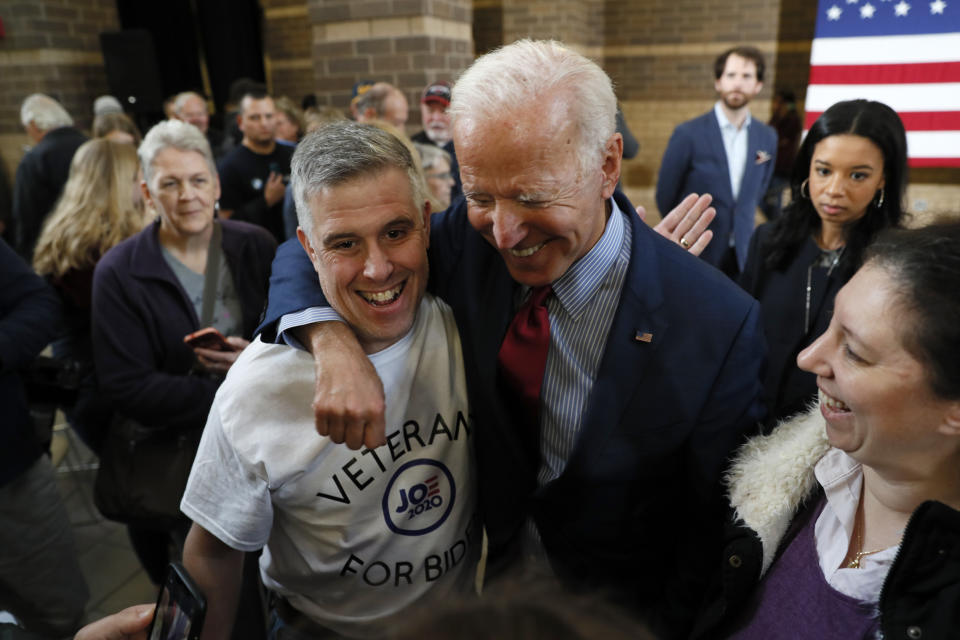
x=794, y=600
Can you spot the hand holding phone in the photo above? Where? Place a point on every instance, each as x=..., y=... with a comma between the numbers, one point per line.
x=208, y=338
x=181, y=607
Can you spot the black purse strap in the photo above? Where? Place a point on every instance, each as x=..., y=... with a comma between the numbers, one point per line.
x=211, y=275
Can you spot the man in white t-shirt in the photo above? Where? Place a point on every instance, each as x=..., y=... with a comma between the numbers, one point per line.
x=351, y=539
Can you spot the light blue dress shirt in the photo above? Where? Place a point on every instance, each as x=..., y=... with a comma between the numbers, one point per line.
x=735, y=146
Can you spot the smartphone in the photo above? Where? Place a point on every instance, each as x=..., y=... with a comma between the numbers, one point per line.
x=180, y=607
x=275, y=168
x=208, y=338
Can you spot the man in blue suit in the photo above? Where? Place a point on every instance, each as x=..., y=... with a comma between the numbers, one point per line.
x=726, y=153
x=652, y=373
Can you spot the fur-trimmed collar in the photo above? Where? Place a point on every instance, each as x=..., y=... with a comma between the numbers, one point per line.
x=771, y=476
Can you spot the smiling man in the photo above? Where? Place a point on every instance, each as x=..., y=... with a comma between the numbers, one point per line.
x=610, y=373
x=725, y=153
x=351, y=539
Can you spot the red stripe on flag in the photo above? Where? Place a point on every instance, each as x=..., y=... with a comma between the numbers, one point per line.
x=912, y=120
x=932, y=72
x=934, y=162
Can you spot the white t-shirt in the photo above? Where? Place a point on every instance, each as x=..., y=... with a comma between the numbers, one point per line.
x=350, y=538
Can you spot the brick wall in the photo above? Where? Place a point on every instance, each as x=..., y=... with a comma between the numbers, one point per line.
x=52, y=47
x=660, y=55
x=408, y=43
x=287, y=48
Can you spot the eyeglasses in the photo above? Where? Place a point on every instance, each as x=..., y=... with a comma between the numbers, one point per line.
x=441, y=176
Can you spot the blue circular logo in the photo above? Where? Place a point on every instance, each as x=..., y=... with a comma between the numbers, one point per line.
x=419, y=497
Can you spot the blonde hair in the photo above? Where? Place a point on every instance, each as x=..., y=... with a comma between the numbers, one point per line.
x=95, y=212
x=106, y=123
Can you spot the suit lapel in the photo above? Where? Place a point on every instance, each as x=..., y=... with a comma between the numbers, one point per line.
x=719, y=151
x=751, y=170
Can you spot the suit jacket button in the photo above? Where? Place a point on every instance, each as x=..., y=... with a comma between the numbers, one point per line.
x=914, y=632
x=735, y=561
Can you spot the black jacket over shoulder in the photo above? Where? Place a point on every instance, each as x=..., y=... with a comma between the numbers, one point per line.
x=39, y=182
x=29, y=313
x=141, y=314
x=783, y=309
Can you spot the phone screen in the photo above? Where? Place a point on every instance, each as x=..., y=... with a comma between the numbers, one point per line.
x=180, y=608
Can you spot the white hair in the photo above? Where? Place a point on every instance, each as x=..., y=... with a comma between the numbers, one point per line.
x=430, y=154
x=342, y=151
x=44, y=112
x=175, y=134
x=526, y=73
x=180, y=101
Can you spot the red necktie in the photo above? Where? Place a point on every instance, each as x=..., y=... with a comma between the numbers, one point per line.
x=523, y=354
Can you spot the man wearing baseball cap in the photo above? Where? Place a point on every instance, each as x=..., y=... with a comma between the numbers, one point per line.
x=436, y=127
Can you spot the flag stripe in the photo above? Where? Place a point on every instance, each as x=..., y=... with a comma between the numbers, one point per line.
x=941, y=47
x=914, y=97
x=934, y=162
x=913, y=121
x=886, y=73
x=930, y=147
x=903, y=53
x=933, y=144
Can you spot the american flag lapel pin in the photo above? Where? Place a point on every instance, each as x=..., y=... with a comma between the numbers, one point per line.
x=762, y=156
x=643, y=336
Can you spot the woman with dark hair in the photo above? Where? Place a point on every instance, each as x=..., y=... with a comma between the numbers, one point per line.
x=848, y=183
x=846, y=517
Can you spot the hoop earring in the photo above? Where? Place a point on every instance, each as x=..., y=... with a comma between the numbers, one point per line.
x=802, y=185
x=880, y=201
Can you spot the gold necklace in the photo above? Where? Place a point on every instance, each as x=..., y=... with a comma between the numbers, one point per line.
x=857, y=556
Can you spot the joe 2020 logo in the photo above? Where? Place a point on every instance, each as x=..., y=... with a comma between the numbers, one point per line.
x=419, y=497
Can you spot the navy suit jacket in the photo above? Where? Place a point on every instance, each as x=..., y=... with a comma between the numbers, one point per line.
x=695, y=162
x=639, y=506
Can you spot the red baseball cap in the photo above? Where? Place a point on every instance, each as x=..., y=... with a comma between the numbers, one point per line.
x=438, y=92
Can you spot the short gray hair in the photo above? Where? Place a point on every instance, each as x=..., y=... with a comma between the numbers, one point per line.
x=342, y=151
x=375, y=98
x=181, y=100
x=529, y=71
x=174, y=134
x=430, y=154
x=44, y=112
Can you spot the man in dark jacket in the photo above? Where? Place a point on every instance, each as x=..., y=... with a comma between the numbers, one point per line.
x=43, y=170
x=40, y=578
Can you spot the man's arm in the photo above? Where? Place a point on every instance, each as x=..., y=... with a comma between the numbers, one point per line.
x=218, y=571
x=673, y=168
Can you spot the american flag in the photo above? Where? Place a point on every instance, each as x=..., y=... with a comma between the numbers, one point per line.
x=905, y=53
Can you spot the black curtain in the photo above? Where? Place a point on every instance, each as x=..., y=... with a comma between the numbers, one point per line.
x=227, y=31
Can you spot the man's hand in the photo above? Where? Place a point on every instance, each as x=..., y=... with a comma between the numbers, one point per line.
x=129, y=624
x=221, y=361
x=274, y=189
x=687, y=223
x=348, y=404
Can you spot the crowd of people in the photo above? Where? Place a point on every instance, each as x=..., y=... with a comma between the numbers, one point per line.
x=376, y=359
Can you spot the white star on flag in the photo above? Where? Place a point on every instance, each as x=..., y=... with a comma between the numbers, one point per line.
x=902, y=9
x=851, y=1
x=937, y=7
x=833, y=13
x=867, y=10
